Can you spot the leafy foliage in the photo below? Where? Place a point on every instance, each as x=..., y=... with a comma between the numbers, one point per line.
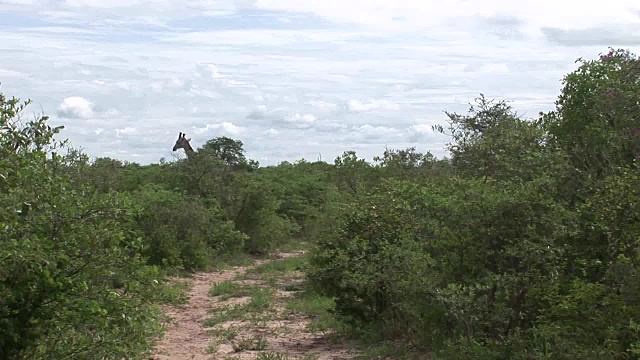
x=182, y=231
x=526, y=247
x=72, y=280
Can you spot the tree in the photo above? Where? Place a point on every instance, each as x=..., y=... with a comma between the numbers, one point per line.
x=493, y=142
x=406, y=163
x=230, y=151
x=597, y=117
x=353, y=174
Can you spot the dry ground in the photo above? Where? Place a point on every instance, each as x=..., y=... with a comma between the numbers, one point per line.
x=250, y=313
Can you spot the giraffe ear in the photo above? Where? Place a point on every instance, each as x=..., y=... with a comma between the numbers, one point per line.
x=189, y=139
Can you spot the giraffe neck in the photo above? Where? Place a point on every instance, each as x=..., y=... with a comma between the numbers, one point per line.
x=188, y=150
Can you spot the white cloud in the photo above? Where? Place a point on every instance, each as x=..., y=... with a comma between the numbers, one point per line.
x=373, y=104
x=19, y=2
x=204, y=129
x=127, y=131
x=5, y=73
x=75, y=107
x=209, y=71
x=102, y=4
x=263, y=114
x=291, y=78
x=383, y=15
x=421, y=128
x=494, y=68
x=226, y=127
x=322, y=104
x=305, y=119
x=410, y=15
x=370, y=131
x=231, y=128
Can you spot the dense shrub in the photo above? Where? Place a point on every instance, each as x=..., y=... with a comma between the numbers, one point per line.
x=527, y=248
x=181, y=231
x=62, y=251
x=259, y=218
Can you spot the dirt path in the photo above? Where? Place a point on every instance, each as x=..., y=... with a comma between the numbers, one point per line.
x=247, y=319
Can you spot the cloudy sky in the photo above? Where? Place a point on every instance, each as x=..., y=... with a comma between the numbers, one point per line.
x=291, y=78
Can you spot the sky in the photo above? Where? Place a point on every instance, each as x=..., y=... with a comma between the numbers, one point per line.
x=291, y=79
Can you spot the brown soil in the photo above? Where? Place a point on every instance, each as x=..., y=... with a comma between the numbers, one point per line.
x=279, y=330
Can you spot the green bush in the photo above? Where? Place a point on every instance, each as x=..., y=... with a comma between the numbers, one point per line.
x=443, y=260
x=181, y=231
x=526, y=247
x=63, y=250
x=258, y=218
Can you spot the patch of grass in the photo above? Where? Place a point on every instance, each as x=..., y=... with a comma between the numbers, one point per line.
x=281, y=356
x=292, y=287
x=283, y=330
x=272, y=356
x=328, y=323
x=273, y=271
x=174, y=293
x=229, y=333
x=387, y=349
x=226, y=287
x=227, y=261
x=293, y=245
x=225, y=314
x=310, y=303
x=255, y=343
x=272, y=281
x=213, y=346
x=261, y=300
x=318, y=306
x=280, y=266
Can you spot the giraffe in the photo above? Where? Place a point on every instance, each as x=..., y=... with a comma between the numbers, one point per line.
x=183, y=143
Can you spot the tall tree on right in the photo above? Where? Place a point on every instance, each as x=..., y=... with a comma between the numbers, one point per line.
x=597, y=116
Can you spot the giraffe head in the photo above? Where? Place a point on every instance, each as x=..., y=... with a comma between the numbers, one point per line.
x=182, y=143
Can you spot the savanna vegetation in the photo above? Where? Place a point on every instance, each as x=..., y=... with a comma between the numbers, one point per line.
x=522, y=244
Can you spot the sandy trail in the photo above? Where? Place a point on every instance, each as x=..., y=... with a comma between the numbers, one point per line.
x=276, y=330
x=186, y=337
